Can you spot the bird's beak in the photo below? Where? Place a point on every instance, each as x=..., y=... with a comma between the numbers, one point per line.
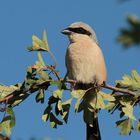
x=66, y=31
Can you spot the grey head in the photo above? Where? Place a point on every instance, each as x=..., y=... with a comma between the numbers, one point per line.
x=80, y=28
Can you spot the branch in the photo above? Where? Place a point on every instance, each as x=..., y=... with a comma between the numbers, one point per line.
x=116, y=89
x=36, y=87
x=107, y=86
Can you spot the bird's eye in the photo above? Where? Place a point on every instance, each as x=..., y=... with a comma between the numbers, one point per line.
x=80, y=30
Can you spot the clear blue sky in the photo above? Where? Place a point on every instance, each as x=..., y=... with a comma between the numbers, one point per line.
x=19, y=20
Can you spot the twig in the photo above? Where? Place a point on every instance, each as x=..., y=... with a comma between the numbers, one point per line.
x=53, y=70
x=119, y=89
x=6, y=98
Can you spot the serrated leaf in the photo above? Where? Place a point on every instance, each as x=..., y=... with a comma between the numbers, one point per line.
x=130, y=82
x=98, y=101
x=138, y=126
x=78, y=93
x=38, y=44
x=128, y=110
x=40, y=96
x=8, y=122
x=58, y=93
x=107, y=97
x=5, y=125
x=125, y=126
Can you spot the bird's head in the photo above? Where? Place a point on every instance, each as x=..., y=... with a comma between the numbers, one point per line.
x=79, y=30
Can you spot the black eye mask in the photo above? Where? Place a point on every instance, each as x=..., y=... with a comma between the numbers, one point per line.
x=79, y=30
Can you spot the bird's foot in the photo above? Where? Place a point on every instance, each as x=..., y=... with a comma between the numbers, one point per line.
x=97, y=85
x=73, y=85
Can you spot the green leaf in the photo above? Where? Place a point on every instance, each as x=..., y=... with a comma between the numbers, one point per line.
x=40, y=64
x=130, y=82
x=46, y=113
x=37, y=40
x=5, y=125
x=58, y=83
x=8, y=122
x=41, y=59
x=65, y=116
x=43, y=75
x=125, y=126
x=67, y=102
x=29, y=70
x=79, y=95
x=31, y=81
x=12, y=115
x=110, y=106
x=58, y=93
x=58, y=107
x=138, y=126
x=54, y=121
x=128, y=110
x=98, y=101
x=6, y=90
x=38, y=44
x=40, y=96
x=45, y=41
x=107, y=97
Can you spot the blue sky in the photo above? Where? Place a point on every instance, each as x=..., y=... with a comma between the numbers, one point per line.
x=19, y=20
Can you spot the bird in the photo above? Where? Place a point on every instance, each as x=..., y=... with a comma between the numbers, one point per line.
x=85, y=64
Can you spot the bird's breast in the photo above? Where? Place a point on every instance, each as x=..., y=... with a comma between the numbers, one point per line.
x=82, y=62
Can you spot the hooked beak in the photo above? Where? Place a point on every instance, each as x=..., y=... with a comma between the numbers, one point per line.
x=66, y=31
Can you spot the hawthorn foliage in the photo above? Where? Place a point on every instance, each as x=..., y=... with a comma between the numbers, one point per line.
x=40, y=77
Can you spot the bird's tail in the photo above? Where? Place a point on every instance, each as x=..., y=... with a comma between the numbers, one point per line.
x=93, y=132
